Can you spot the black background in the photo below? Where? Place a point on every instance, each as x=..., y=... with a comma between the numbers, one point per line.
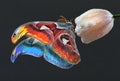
x=100, y=59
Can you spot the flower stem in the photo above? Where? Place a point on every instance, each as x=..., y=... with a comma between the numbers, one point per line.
x=116, y=16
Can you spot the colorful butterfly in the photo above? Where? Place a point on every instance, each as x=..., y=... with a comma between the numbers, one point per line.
x=55, y=41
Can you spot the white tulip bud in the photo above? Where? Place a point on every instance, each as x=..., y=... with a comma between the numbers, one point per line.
x=93, y=24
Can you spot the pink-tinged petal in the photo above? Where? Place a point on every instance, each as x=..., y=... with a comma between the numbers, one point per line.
x=93, y=24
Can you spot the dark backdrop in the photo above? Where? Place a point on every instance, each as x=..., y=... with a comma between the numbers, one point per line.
x=100, y=59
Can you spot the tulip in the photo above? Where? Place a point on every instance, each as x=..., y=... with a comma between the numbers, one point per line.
x=94, y=24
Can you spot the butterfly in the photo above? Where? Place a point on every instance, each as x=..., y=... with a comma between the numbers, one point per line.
x=54, y=41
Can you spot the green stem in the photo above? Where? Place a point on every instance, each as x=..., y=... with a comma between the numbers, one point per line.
x=116, y=16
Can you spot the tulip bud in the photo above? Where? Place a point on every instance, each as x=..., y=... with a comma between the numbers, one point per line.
x=93, y=24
